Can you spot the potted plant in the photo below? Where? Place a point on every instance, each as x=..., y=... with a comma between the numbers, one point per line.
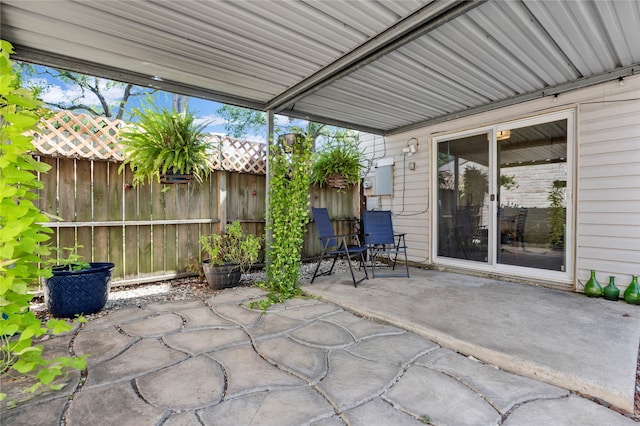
x=166, y=145
x=75, y=287
x=338, y=163
x=231, y=253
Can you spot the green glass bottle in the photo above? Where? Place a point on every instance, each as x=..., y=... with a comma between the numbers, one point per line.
x=592, y=287
x=611, y=292
x=632, y=293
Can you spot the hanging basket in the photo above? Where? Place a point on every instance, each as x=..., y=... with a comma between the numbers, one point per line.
x=69, y=293
x=337, y=181
x=172, y=179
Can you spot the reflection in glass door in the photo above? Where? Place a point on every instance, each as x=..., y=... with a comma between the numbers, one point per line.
x=463, y=198
x=532, y=211
x=502, y=197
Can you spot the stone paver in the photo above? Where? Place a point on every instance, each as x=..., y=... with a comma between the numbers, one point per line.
x=195, y=383
x=569, y=411
x=502, y=390
x=117, y=404
x=433, y=395
x=305, y=362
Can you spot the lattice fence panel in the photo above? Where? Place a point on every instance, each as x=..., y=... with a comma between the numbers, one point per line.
x=242, y=156
x=67, y=135
x=79, y=136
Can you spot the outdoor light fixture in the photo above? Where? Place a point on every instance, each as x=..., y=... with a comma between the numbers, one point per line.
x=503, y=134
x=621, y=81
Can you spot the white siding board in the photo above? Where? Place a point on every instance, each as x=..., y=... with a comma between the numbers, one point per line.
x=627, y=260
x=613, y=230
x=606, y=183
x=604, y=206
x=610, y=194
x=585, y=219
x=600, y=147
x=622, y=169
x=631, y=245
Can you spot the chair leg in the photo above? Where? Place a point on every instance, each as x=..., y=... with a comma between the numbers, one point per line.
x=406, y=263
x=353, y=275
x=315, y=273
x=335, y=259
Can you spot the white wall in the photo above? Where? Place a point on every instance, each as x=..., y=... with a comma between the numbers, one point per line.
x=606, y=193
x=608, y=198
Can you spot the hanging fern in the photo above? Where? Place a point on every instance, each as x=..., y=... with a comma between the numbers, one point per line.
x=164, y=141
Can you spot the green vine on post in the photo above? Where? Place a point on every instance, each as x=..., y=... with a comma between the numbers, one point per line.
x=288, y=214
x=22, y=239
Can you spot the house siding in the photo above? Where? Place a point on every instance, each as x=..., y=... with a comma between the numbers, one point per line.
x=605, y=194
x=608, y=197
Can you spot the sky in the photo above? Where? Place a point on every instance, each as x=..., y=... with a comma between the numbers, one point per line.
x=58, y=91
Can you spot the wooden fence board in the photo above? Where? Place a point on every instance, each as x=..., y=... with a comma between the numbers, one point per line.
x=84, y=208
x=171, y=231
x=101, y=210
x=131, y=241
x=115, y=208
x=185, y=245
x=66, y=205
x=158, y=231
x=144, y=209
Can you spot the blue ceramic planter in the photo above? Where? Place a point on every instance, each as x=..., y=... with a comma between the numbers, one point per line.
x=69, y=293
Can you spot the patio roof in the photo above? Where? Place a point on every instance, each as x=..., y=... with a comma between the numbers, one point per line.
x=381, y=66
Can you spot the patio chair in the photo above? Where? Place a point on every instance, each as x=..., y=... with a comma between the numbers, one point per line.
x=383, y=244
x=470, y=238
x=337, y=246
x=520, y=224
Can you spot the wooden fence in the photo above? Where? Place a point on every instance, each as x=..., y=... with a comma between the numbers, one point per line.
x=151, y=231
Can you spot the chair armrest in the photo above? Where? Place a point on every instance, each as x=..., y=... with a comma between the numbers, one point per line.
x=345, y=237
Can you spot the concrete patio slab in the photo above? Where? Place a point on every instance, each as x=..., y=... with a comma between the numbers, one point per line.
x=562, y=338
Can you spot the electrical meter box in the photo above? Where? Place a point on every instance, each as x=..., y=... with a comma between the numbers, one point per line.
x=384, y=177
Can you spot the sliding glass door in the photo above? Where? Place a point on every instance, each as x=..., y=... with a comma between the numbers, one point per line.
x=502, y=196
x=532, y=172
x=463, y=198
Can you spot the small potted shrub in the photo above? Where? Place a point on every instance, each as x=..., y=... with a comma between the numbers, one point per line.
x=77, y=288
x=230, y=254
x=166, y=146
x=338, y=163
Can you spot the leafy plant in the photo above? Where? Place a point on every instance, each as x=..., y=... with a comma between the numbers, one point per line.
x=339, y=157
x=508, y=182
x=232, y=246
x=72, y=261
x=164, y=141
x=557, y=217
x=22, y=239
x=475, y=185
x=287, y=217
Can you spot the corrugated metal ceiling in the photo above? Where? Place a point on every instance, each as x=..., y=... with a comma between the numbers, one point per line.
x=382, y=66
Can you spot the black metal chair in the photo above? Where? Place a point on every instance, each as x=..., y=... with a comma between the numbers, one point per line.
x=520, y=225
x=337, y=246
x=383, y=244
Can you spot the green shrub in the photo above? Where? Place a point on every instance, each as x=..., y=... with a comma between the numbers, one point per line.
x=232, y=246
